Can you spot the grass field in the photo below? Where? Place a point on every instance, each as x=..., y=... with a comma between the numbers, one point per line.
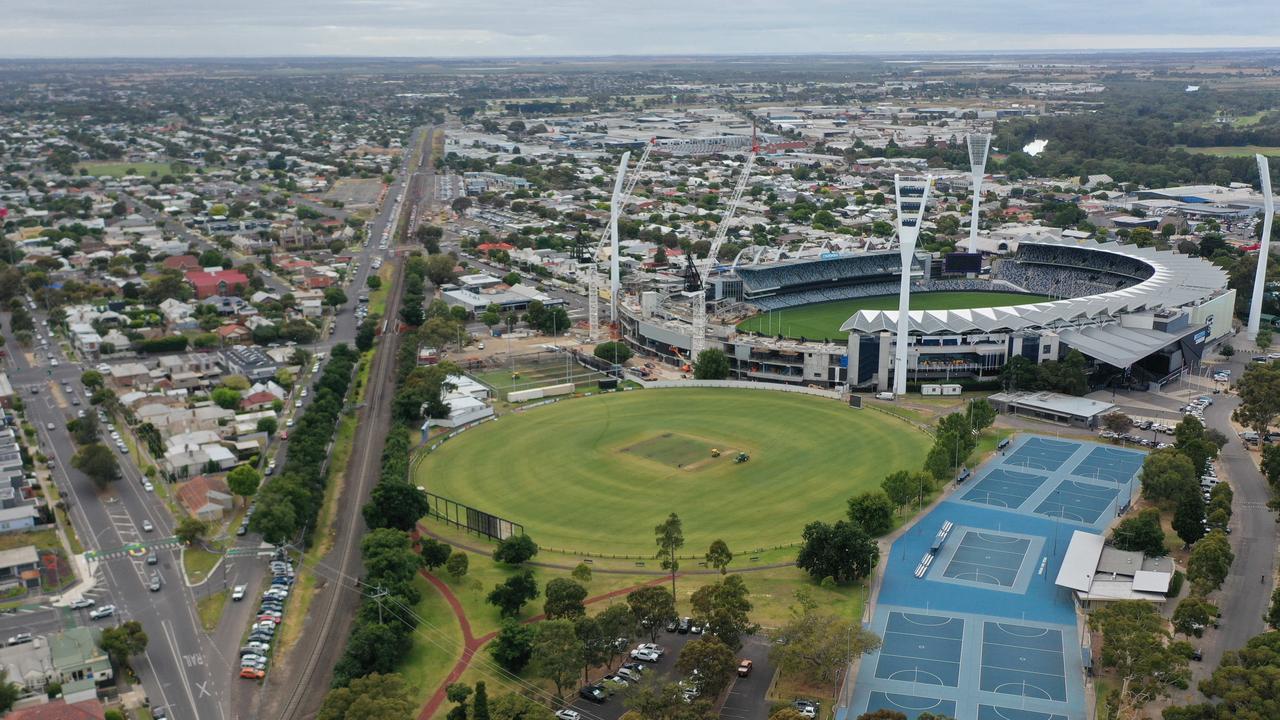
x=823, y=320
x=570, y=475
x=118, y=169
x=1235, y=151
x=527, y=375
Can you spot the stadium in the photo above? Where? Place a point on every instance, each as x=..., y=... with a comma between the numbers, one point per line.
x=1141, y=315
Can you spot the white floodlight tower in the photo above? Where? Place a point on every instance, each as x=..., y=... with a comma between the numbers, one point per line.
x=1260, y=277
x=979, y=144
x=615, y=210
x=912, y=197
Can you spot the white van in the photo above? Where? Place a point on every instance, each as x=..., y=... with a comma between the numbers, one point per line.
x=884, y=396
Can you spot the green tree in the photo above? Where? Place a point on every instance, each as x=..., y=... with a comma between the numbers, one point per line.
x=1166, y=476
x=1264, y=338
x=615, y=352
x=843, y=552
x=225, y=398
x=953, y=441
x=1188, y=518
x=564, y=599
x=480, y=705
x=440, y=269
x=1137, y=646
x=510, y=596
x=557, y=654
x=653, y=607
x=395, y=504
x=375, y=695
x=1191, y=439
x=9, y=692
x=457, y=565
x=719, y=556
x=617, y=621
x=365, y=334
x=1243, y=685
x=980, y=414
x=1273, y=613
x=669, y=537
x=512, y=648
x=334, y=296
x=1141, y=533
x=900, y=487
x=96, y=461
x=1271, y=464
x=1259, y=391
x=1209, y=562
x=434, y=553
x=724, y=607
x=91, y=379
x=873, y=511
x=596, y=646
x=267, y=425
x=243, y=480
x=711, y=364
x=190, y=530
x=513, y=706
x=712, y=660
x=818, y=645
x=124, y=641
x=1117, y=422
x=1019, y=374
x=515, y=550
x=1193, y=615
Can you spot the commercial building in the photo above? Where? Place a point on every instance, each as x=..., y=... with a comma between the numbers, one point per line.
x=1052, y=407
x=1099, y=573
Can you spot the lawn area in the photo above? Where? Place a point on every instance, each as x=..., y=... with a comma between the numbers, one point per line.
x=210, y=609
x=378, y=298
x=564, y=472
x=1235, y=151
x=430, y=660
x=198, y=562
x=120, y=169
x=527, y=376
x=40, y=538
x=823, y=320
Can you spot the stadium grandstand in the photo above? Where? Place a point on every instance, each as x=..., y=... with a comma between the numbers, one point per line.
x=790, y=283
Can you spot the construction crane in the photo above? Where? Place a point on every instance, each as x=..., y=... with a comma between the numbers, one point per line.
x=619, y=202
x=698, y=342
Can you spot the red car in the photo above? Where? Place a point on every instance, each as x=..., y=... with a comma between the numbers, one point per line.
x=252, y=673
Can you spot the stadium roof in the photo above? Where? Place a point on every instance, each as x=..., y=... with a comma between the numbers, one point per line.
x=1176, y=280
x=1119, y=346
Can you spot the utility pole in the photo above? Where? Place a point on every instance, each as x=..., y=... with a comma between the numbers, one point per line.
x=377, y=596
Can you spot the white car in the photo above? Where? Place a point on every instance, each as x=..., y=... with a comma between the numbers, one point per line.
x=146, y=485
x=568, y=714
x=102, y=612
x=147, y=526
x=237, y=593
x=652, y=647
x=645, y=655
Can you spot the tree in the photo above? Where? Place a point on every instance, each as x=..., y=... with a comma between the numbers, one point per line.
x=511, y=595
x=653, y=607
x=873, y=511
x=597, y=647
x=1019, y=374
x=724, y=607
x=365, y=333
x=1273, y=613
x=1259, y=391
x=243, y=481
x=190, y=530
x=456, y=565
x=513, y=706
x=96, y=461
x=1188, y=518
x=617, y=621
x=1136, y=644
x=1209, y=562
x=1192, y=440
x=457, y=693
x=1117, y=422
x=613, y=351
x=980, y=414
x=124, y=641
x=1141, y=533
x=564, y=599
x=581, y=573
x=389, y=558
x=1264, y=338
x=440, y=269
x=395, y=504
x=480, y=705
x=515, y=550
x=84, y=430
x=434, y=553
x=843, y=552
x=1166, y=476
x=225, y=398
x=376, y=695
x=557, y=654
x=818, y=646
x=1193, y=615
x=900, y=487
x=1244, y=685
x=1271, y=464
x=334, y=296
x=719, y=556
x=712, y=661
x=952, y=443
x=670, y=538
x=267, y=425
x=513, y=646
x=711, y=364
x=91, y=379
x=9, y=692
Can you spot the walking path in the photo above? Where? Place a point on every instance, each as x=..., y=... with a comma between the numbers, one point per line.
x=472, y=644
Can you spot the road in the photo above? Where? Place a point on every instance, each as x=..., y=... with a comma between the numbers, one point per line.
x=180, y=669
x=301, y=682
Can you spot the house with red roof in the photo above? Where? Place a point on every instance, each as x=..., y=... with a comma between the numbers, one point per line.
x=60, y=710
x=489, y=247
x=261, y=400
x=181, y=262
x=211, y=283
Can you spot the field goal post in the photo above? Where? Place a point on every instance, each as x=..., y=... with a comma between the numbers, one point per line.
x=471, y=519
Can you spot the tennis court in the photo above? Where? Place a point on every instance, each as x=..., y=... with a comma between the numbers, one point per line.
x=1023, y=660
x=1112, y=464
x=1004, y=488
x=1072, y=500
x=921, y=649
x=911, y=705
x=988, y=557
x=1041, y=453
x=995, y=712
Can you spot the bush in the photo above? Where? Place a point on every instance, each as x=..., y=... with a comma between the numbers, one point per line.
x=1175, y=584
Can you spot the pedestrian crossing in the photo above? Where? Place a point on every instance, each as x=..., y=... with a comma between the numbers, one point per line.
x=134, y=549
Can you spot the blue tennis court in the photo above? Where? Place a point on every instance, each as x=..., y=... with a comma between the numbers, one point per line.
x=1108, y=463
x=1083, y=502
x=1004, y=488
x=995, y=712
x=911, y=705
x=1023, y=660
x=988, y=557
x=1041, y=453
x=921, y=649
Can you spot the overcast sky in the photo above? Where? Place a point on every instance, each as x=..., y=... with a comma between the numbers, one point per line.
x=479, y=28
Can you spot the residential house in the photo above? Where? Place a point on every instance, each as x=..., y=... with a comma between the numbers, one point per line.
x=19, y=567
x=206, y=497
x=18, y=518
x=250, y=362
x=61, y=709
x=178, y=315
x=216, y=282
x=85, y=339
x=181, y=262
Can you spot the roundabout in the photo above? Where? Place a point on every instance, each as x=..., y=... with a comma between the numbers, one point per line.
x=596, y=474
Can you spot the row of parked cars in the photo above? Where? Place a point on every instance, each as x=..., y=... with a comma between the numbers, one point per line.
x=254, y=655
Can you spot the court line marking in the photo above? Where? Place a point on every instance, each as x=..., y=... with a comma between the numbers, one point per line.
x=1001, y=539
x=887, y=633
x=1024, y=686
x=1040, y=632
x=916, y=674
x=946, y=619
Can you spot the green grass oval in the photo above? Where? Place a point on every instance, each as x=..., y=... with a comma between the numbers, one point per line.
x=597, y=474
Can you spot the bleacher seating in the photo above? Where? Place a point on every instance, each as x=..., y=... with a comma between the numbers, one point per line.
x=799, y=276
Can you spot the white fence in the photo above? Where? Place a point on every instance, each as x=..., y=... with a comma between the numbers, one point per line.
x=743, y=385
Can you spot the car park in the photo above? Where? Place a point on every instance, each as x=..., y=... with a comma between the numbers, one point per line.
x=103, y=612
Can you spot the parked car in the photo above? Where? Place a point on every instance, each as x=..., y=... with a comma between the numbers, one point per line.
x=805, y=708
x=744, y=668
x=567, y=714
x=594, y=693
x=683, y=626
x=252, y=673
x=648, y=656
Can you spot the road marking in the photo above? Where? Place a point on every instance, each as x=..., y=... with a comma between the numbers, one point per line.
x=172, y=639
x=203, y=689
